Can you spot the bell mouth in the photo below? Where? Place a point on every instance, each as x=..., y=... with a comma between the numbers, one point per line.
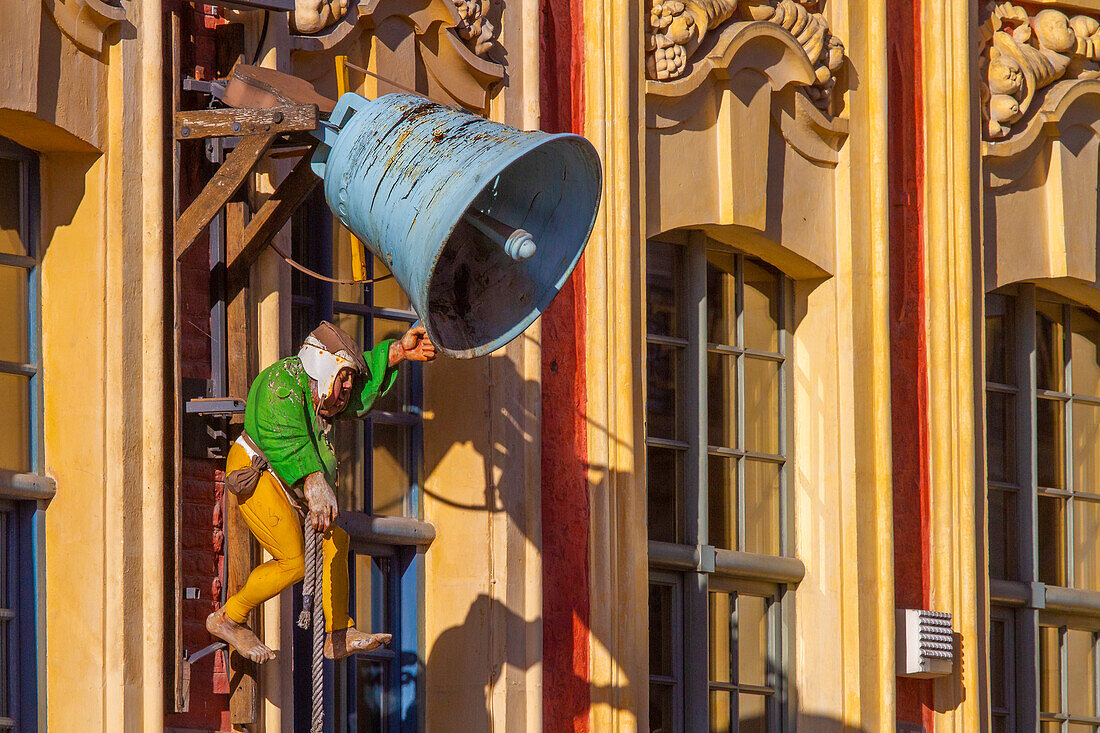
x=480, y=295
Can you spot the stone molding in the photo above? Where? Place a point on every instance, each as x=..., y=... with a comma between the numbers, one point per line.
x=86, y=22
x=1023, y=54
x=679, y=29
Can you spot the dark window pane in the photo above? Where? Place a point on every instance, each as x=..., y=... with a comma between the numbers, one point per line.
x=660, y=630
x=1050, y=676
x=722, y=400
x=762, y=507
x=1086, y=447
x=720, y=719
x=1000, y=410
x=998, y=339
x=1049, y=342
x=1086, y=544
x=752, y=640
x=1000, y=723
x=761, y=406
x=663, y=283
x=371, y=684
x=1050, y=429
x=15, y=422
x=721, y=298
x=761, y=311
x=722, y=501
x=722, y=638
x=1085, y=354
x=11, y=210
x=752, y=714
x=14, y=313
x=660, y=708
x=1052, y=537
x=1002, y=534
x=662, y=383
x=997, y=681
x=663, y=486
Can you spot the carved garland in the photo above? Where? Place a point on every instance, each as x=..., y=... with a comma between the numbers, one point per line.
x=677, y=29
x=1023, y=54
x=317, y=17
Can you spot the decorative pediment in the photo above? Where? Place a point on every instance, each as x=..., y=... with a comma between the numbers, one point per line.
x=449, y=40
x=86, y=22
x=735, y=147
x=1040, y=191
x=683, y=36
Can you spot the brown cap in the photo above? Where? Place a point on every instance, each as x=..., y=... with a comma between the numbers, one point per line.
x=334, y=340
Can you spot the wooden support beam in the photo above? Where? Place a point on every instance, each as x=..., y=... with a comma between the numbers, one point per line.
x=240, y=549
x=219, y=190
x=288, y=196
x=192, y=124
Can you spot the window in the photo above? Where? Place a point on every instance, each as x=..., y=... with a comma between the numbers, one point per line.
x=20, y=422
x=716, y=450
x=380, y=469
x=1043, y=490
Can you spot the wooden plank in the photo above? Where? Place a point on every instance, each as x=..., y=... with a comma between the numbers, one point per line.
x=267, y=222
x=240, y=547
x=219, y=190
x=178, y=702
x=191, y=124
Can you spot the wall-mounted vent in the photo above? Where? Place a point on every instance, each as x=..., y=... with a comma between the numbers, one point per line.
x=925, y=643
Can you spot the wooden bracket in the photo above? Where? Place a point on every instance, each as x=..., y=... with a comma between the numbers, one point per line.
x=219, y=190
x=288, y=196
x=192, y=124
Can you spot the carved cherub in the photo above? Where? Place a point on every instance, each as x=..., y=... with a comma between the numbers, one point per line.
x=474, y=26
x=313, y=16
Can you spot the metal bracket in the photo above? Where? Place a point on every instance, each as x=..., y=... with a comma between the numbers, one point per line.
x=215, y=406
x=215, y=88
x=184, y=703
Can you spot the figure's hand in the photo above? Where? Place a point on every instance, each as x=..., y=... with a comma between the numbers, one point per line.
x=414, y=346
x=322, y=502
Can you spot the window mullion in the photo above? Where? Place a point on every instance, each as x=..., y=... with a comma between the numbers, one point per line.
x=739, y=406
x=1067, y=442
x=696, y=498
x=1027, y=626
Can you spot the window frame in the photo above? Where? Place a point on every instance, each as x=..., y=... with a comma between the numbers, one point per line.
x=396, y=570
x=692, y=558
x=24, y=493
x=1022, y=602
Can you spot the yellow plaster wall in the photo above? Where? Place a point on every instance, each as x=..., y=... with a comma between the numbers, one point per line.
x=73, y=332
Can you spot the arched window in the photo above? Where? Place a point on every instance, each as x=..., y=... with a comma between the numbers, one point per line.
x=717, y=473
x=1043, y=481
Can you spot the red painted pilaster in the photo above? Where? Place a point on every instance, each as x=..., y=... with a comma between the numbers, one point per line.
x=908, y=346
x=565, y=508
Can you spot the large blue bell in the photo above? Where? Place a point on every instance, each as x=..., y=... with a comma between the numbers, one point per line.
x=480, y=223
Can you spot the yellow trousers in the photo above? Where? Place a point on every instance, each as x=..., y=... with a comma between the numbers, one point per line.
x=277, y=526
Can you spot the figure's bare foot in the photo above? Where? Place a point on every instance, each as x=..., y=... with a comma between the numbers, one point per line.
x=339, y=644
x=238, y=636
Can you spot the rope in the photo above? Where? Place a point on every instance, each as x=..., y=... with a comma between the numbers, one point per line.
x=318, y=651
x=312, y=612
x=314, y=274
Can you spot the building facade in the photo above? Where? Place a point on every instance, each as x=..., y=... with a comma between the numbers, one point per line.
x=832, y=352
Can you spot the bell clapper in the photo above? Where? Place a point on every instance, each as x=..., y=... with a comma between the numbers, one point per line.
x=518, y=243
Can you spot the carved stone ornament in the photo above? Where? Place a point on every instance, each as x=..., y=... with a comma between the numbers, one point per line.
x=1023, y=54
x=86, y=22
x=678, y=28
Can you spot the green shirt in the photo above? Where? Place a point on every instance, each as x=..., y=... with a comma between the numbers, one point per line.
x=280, y=417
